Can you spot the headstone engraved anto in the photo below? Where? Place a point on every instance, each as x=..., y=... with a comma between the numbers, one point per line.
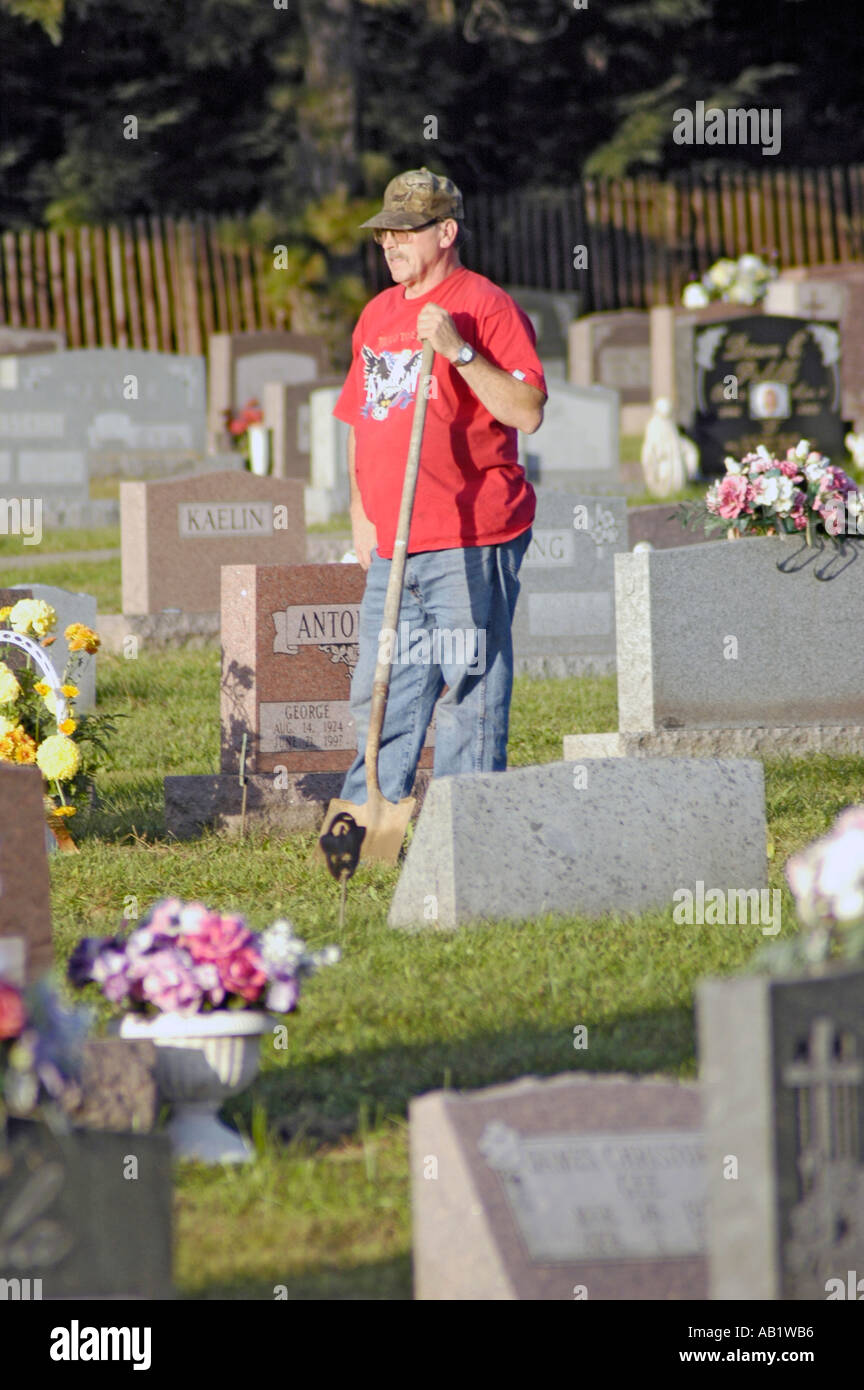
x=766, y=380
x=289, y=648
x=565, y=615
x=178, y=533
x=25, y=889
x=782, y=1072
x=577, y=1187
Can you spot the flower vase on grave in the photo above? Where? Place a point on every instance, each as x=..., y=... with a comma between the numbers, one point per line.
x=201, y=1060
x=259, y=449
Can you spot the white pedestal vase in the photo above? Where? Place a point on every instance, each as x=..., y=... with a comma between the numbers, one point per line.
x=201, y=1061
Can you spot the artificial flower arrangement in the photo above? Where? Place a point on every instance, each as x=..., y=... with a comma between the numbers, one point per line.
x=68, y=753
x=238, y=425
x=184, y=958
x=40, y=1052
x=765, y=496
x=827, y=883
x=734, y=282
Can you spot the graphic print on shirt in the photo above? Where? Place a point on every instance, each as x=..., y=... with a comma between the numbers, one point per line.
x=390, y=379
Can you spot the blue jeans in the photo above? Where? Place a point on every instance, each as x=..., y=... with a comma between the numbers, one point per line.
x=455, y=629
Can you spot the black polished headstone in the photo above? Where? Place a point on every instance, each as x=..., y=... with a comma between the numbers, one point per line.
x=770, y=380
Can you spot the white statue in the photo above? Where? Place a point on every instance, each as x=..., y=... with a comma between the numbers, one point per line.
x=855, y=444
x=669, y=458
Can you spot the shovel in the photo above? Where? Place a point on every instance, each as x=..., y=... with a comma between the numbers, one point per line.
x=385, y=822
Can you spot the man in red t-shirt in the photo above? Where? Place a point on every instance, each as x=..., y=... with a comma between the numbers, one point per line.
x=473, y=507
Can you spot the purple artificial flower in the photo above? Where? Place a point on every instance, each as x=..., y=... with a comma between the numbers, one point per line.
x=283, y=994
x=166, y=979
x=110, y=970
x=79, y=970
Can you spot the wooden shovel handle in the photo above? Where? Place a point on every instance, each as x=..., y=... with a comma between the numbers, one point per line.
x=393, y=597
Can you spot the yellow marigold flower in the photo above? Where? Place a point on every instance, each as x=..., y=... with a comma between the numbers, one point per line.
x=32, y=615
x=59, y=758
x=70, y=691
x=9, y=687
x=63, y=811
x=41, y=687
x=81, y=638
x=18, y=747
x=68, y=726
x=4, y=614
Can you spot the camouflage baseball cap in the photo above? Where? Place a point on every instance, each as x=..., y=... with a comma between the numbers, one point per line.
x=417, y=197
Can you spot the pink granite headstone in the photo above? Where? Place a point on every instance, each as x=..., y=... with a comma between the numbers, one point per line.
x=177, y=534
x=289, y=648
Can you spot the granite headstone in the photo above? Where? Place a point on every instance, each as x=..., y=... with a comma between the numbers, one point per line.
x=289, y=648
x=576, y=447
x=178, y=533
x=603, y=836
x=70, y=607
x=565, y=616
x=830, y=292
x=614, y=350
x=68, y=416
x=579, y=1187
x=286, y=414
x=240, y=365
x=782, y=1079
x=118, y=1086
x=25, y=888
x=551, y=313
x=765, y=380
x=87, y=1214
x=329, y=492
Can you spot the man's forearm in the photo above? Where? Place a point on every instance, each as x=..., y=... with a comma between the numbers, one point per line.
x=513, y=402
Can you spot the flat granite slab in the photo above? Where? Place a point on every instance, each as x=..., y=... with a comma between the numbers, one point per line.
x=793, y=741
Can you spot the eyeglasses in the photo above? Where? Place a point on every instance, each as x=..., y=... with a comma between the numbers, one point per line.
x=400, y=237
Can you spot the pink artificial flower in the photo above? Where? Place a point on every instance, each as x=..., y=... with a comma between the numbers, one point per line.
x=215, y=938
x=244, y=973
x=167, y=980
x=790, y=469
x=731, y=496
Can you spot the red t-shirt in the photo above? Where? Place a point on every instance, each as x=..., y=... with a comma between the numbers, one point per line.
x=471, y=490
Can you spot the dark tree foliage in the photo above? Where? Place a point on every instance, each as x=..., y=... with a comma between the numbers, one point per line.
x=250, y=105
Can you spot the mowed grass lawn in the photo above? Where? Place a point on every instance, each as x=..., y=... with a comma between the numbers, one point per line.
x=326, y=1209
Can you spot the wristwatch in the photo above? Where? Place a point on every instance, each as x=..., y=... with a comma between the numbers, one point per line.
x=465, y=355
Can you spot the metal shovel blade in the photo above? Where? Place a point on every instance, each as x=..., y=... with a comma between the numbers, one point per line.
x=385, y=822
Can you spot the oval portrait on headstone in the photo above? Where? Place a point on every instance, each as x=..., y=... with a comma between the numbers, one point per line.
x=769, y=400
